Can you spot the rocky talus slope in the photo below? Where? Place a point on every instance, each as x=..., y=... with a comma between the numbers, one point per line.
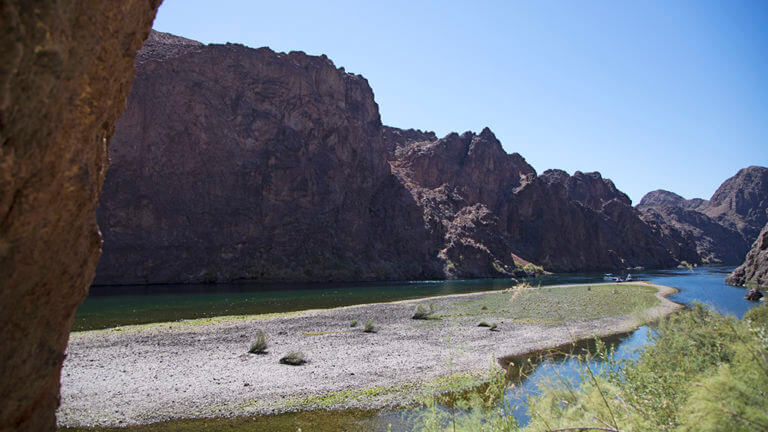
x=754, y=270
x=66, y=70
x=719, y=230
x=232, y=162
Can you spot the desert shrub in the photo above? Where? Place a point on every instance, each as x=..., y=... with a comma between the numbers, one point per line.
x=483, y=324
x=700, y=372
x=369, y=327
x=259, y=345
x=531, y=268
x=353, y=323
x=494, y=327
x=423, y=312
x=294, y=358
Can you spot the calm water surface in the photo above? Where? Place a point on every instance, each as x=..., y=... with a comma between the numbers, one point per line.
x=113, y=306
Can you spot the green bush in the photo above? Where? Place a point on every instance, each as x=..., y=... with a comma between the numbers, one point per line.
x=369, y=327
x=494, y=327
x=700, y=372
x=483, y=324
x=353, y=323
x=294, y=358
x=531, y=268
x=259, y=345
x=423, y=312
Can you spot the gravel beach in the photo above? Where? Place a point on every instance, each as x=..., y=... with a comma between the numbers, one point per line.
x=202, y=368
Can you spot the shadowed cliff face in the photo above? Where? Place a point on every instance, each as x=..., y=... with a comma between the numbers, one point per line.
x=67, y=68
x=233, y=162
x=720, y=230
x=754, y=270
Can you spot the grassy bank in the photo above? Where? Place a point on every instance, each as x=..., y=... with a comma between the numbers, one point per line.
x=701, y=372
x=149, y=374
x=531, y=305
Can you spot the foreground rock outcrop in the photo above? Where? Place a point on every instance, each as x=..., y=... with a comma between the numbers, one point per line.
x=67, y=68
x=232, y=162
x=719, y=230
x=754, y=270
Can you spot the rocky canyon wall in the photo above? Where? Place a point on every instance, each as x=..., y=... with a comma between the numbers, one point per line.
x=754, y=270
x=67, y=68
x=232, y=162
x=239, y=163
x=718, y=230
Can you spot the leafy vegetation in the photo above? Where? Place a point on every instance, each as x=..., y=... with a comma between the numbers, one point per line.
x=294, y=358
x=424, y=312
x=531, y=268
x=701, y=372
x=259, y=345
x=369, y=327
x=353, y=323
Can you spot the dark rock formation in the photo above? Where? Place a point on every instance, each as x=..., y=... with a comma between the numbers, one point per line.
x=716, y=231
x=753, y=295
x=740, y=202
x=233, y=162
x=66, y=70
x=754, y=270
x=563, y=222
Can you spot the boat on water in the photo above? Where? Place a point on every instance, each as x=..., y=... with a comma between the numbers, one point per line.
x=614, y=278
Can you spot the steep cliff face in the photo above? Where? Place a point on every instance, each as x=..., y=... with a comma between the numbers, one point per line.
x=563, y=222
x=67, y=68
x=720, y=230
x=740, y=202
x=754, y=270
x=233, y=162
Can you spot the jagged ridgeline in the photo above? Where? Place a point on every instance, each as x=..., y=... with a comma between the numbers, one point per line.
x=239, y=163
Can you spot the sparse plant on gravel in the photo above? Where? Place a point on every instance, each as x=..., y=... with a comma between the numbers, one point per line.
x=294, y=358
x=259, y=345
x=423, y=312
x=369, y=327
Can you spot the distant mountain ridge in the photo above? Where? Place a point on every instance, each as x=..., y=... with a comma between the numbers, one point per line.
x=719, y=230
x=237, y=163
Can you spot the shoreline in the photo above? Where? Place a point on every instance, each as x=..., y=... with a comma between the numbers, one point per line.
x=156, y=372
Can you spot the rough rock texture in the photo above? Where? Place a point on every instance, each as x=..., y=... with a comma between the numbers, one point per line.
x=563, y=222
x=716, y=231
x=755, y=269
x=66, y=70
x=740, y=202
x=233, y=162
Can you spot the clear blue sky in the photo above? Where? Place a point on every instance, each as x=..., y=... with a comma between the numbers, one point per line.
x=653, y=94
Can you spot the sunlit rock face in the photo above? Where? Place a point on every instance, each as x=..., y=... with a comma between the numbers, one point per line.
x=719, y=230
x=563, y=222
x=67, y=68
